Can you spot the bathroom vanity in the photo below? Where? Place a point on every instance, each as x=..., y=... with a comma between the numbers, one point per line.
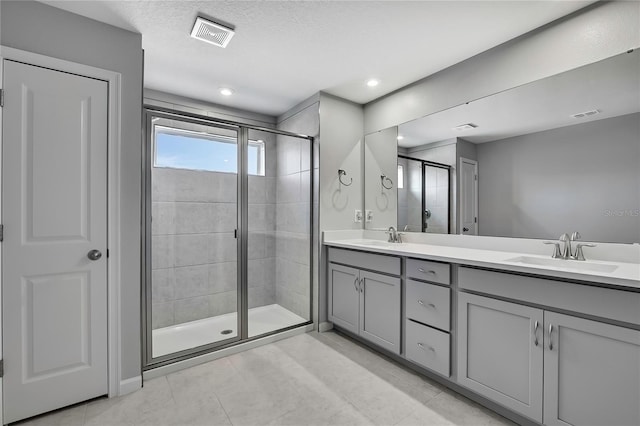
x=555, y=343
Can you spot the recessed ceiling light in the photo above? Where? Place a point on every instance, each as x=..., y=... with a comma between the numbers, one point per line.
x=225, y=91
x=400, y=137
x=467, y=126
x=373, y=82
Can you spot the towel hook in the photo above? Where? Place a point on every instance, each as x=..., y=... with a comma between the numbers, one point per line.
x=384, y=178
x=341, y=173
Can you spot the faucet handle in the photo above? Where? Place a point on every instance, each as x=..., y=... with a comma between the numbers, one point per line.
x=579, y=254
x=399, y=236
x=556, y=251
x=575, y=236
x=564, y=237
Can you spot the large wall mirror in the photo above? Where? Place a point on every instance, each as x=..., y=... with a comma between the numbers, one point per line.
x=557, y=155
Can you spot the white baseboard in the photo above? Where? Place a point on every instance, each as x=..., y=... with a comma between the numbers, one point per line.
x=130, y=385
x=325, y=326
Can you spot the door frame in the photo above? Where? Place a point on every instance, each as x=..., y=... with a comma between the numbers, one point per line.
x=475, y=188
x=114, y=139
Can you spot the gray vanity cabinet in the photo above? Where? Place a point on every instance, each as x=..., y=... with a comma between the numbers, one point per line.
x=500, y=352
x=344, y=292
x=591, y=372
x=380, y=310
x=364, y=302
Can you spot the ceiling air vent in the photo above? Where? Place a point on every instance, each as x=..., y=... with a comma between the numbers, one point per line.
x=586, y=113
x=211, y=33
x=467, y=126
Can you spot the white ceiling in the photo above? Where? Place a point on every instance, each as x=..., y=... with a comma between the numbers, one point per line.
x=285, y=51
x=610, y=86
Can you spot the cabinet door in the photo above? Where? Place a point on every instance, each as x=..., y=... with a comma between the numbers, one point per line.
x=591, y=373
x=344, y=297
x=380, y=310
x=500, y=352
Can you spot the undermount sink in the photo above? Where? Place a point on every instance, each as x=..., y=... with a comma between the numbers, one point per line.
x=565, y=264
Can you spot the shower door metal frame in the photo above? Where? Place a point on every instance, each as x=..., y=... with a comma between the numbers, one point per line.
x=242, y=232
x=425, y=164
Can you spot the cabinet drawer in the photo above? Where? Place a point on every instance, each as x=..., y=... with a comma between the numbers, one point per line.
x=427, y=347
x=428, y=304
x=371, y=261
x=429, y=271
x=601, y=302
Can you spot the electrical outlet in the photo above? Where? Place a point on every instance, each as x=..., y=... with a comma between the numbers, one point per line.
x=357, y=216
x=368, y=215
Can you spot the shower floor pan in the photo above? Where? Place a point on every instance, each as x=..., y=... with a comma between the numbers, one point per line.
x=188, y=335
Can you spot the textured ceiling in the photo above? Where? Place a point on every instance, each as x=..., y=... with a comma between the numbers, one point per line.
x=285, y=51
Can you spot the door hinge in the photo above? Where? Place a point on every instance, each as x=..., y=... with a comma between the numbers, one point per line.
x=1, y=232
x=1, y=98
x=475, y=177
x=1, y=367
x=475, y=220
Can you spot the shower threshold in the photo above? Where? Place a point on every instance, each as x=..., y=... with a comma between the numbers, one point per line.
x=188, y=335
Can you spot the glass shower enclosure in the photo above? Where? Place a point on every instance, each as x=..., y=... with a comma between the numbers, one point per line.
x=227, y=245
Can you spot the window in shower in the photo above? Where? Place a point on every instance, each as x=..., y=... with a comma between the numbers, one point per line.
x=228, y=234
x=183, y=149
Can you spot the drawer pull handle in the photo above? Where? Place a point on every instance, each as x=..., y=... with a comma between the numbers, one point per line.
x=420, y=302
x=361, y=285
x=421, y=346
x=550, y=339
x=355, y=284
x=535, y=333
x=427, y=272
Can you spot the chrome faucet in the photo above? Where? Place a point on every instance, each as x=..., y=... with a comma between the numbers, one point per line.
x=567, y=253
x=393, y=235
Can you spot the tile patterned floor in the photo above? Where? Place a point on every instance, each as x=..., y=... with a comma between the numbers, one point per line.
x=311, y=379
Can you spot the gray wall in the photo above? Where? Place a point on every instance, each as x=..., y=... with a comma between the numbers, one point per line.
x=341, y=125
x=584, y=177
x=42, y=29
x=589, y=35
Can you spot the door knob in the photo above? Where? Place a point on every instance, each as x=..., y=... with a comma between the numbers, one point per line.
x=465, y=229
x=94, y=254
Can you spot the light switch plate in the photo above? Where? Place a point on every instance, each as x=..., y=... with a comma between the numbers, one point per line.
x=368, y=215
x=357, y=216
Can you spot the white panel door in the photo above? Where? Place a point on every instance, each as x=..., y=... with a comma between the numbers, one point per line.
x=54, y=209
x=468, y=197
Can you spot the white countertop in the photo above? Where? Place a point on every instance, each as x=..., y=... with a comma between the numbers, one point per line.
x=625, y=274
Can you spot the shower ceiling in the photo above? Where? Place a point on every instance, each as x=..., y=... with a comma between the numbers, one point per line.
x=285, y=51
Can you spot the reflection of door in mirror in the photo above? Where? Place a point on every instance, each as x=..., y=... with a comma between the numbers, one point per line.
x=424, y=197
x=436, y=199
x=468, y=196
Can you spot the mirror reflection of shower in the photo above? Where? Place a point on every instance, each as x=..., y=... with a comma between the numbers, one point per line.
x=423, y=196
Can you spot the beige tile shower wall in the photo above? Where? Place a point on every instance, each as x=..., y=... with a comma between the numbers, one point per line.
x=194, y=251
x=293, y=227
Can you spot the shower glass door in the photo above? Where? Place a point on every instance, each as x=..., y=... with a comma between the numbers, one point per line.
x=227, y=234
x=192, y=300
x=279, y=232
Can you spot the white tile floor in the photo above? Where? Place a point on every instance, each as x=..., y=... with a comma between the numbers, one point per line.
x=311, y=379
